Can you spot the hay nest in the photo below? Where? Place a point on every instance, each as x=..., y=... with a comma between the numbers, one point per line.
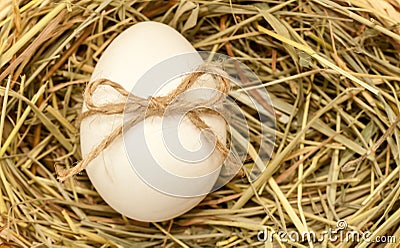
x=331, y=67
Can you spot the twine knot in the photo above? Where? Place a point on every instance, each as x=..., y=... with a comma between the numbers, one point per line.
x=140, y=108
x=157, y=104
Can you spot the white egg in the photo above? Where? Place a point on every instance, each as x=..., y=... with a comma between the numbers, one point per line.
x=113, y=173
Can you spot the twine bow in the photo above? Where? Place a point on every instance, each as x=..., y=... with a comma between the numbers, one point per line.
x=138, y=109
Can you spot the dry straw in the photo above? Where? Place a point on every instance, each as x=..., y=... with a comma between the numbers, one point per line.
x=332, y=69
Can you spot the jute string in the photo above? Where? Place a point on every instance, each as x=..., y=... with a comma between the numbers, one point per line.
x=138, y=109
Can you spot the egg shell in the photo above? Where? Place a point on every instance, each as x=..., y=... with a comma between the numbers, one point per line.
x=130, y=56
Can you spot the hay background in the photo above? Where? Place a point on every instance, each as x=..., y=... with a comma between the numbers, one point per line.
x=337, y=150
